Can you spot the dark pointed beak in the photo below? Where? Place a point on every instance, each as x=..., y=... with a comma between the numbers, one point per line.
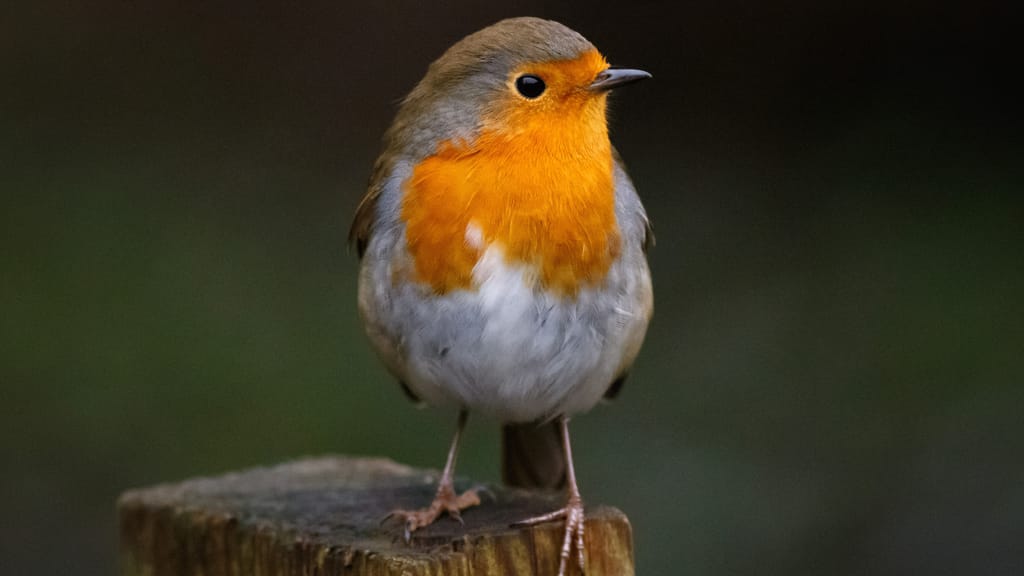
x=615, y=77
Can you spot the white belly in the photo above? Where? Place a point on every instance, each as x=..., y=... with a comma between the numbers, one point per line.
x=507, y=349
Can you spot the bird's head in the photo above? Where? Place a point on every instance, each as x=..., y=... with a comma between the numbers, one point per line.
x=522, y=78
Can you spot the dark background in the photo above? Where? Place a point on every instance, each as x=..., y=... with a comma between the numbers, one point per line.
x=832, y=381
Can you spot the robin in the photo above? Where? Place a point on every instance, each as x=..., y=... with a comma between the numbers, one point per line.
x=502, y=245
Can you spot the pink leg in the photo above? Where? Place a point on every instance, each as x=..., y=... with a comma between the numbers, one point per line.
x=445, y=500
x=572, y=512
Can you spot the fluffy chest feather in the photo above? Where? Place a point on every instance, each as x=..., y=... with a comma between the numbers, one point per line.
x=544, y=196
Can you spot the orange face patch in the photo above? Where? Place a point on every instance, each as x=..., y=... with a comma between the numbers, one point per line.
x=537, y=182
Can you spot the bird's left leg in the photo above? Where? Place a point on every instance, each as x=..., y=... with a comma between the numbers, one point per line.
x=572, y=512
x=446, y=500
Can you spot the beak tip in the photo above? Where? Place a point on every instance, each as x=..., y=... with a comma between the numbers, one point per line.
x=614, y=77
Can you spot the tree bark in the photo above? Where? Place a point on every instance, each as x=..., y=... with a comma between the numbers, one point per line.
x=323, y=517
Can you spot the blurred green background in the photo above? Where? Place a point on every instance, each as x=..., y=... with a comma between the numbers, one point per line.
x=832, y=381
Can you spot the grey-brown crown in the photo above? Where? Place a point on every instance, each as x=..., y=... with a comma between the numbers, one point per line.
x=447, y=102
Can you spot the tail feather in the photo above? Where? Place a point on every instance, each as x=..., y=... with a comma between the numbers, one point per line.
x=532, y=456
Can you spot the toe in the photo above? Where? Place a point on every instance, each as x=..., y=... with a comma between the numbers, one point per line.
x=456, y=515
x=467, y=499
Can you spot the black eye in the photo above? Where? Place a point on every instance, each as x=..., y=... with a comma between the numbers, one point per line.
x=530, y=86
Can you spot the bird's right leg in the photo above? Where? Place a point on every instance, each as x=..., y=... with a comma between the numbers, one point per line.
x=445, y=500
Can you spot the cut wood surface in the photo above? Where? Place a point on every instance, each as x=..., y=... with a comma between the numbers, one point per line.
x=323, y=516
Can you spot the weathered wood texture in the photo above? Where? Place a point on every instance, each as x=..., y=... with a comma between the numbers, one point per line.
x=322, y=517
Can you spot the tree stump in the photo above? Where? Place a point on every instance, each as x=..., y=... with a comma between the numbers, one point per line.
x=323, y=516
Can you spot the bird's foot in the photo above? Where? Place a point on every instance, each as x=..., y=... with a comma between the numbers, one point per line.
x=573, y=515
x=445, y=501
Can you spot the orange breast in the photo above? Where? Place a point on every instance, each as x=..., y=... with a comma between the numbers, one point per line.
x=553, y=213
x=537, y=183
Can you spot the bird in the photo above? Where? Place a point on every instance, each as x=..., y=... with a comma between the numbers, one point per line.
x=503, y=252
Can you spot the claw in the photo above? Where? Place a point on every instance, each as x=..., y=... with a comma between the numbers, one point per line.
x=444, y=502
x=573, y=513
x=573, y=526
x=574, y=518
x=483, y=489
x=456, y=515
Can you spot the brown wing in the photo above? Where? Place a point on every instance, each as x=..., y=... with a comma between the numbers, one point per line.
x=362, y=223
x=615, y=387
x=648, y=230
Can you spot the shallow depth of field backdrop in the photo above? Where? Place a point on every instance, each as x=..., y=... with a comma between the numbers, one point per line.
x=832, y=381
